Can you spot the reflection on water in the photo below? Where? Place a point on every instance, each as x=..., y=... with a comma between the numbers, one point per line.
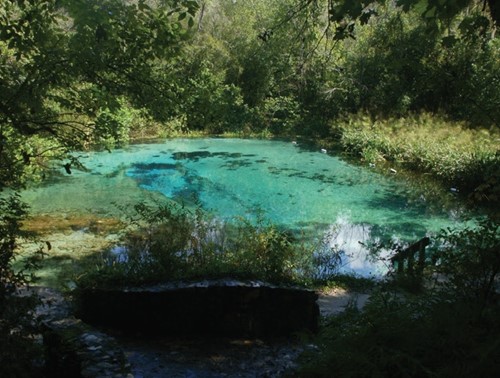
x=300, y=189
x=352, y=240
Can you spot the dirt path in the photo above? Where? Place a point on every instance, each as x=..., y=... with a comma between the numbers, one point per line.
x=336, y=300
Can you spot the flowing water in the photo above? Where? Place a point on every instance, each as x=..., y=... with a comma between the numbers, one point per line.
x=294, y=186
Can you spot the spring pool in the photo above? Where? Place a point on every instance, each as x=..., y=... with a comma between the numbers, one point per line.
x=302, y=189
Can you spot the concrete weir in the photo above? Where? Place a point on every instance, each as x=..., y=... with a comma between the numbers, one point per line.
x=217, y=307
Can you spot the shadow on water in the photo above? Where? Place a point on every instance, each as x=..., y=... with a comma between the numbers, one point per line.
x=197, y=155
x=151, y=166
x=413, y=204
x=235, y=164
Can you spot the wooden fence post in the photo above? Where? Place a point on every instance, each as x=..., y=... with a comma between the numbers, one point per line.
x=409, y=255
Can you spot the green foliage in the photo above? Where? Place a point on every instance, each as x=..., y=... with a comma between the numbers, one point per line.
x=17, y=325
x=71, y=70
x=249, y=65
x=451, y=330
x=412, y=338
x=458, y=156
x=431, y=11
x=281, y=115
x=213, y=106
x=397, y=66
x=289, y=59
x=255, y=80
x=265, y=249
x=172, y=243
x=13, y=211
x=470, y=259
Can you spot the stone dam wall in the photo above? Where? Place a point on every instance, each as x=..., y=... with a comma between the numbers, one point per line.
x=223, y=308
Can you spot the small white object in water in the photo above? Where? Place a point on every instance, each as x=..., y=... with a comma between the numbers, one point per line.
x=454, y=190
x=392, y=170
x=323, y=150
x=294, y=142
x=372, y=165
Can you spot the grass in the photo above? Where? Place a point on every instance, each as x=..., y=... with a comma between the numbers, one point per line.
x=460, y=157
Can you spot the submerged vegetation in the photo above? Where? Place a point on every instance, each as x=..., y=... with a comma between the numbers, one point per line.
x=415, y=83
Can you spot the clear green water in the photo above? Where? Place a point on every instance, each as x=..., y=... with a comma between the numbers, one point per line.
x=293, y=186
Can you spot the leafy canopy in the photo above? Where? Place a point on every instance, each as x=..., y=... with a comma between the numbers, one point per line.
x=64, y=63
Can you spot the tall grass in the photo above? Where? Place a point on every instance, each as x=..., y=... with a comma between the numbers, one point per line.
x=467, y=159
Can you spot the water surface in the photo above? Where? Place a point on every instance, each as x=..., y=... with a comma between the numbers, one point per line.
x=293, y=186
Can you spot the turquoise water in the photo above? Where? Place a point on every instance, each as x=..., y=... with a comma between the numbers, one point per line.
x=291, y=185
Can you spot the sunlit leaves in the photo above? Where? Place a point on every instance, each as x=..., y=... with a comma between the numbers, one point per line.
x=62, y=63
x=23, y=28
x=432, y=11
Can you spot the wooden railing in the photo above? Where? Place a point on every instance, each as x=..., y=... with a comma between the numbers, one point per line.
x=404, y=261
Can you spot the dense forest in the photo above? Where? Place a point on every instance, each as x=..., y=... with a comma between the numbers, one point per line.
x=413, y=82
x=78, y=74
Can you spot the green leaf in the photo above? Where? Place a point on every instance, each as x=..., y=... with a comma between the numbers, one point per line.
x=406, y=4
x=182, y=16
x=143, y=6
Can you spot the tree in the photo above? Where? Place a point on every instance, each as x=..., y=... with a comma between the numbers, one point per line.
x=64, y=63
x=66, y=66
x=346, y=12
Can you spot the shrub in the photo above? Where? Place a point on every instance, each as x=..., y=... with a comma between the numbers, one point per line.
x=18, y=326
x=171, y=242
x=469, y=258
x=450, y=330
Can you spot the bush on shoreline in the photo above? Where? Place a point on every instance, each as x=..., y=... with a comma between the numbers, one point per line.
x=463, y=158
x=450, y=329
x=173, y=243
